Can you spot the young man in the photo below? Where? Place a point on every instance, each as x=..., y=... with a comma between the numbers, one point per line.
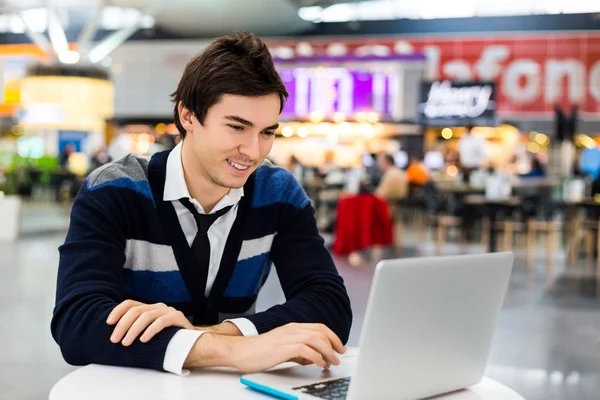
x=164, y=258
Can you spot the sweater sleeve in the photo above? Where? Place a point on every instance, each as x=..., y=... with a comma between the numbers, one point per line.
x=314, y=291
x=89, y=286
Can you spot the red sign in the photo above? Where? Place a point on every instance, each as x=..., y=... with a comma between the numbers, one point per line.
x=533, y=72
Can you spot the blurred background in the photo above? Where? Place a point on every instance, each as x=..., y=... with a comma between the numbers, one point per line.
x=416, y=128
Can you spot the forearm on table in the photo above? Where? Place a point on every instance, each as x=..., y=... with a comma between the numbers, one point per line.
x=211, y=350
x=226, y=328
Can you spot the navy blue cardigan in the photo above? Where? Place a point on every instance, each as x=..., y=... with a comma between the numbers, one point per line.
x=125, y=242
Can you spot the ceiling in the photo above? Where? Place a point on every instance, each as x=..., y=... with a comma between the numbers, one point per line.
x=216, y=17
x=191, y=18
x=188, y=18
x=209, y=18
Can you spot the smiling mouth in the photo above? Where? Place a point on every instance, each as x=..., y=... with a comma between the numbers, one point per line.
x=237, y=166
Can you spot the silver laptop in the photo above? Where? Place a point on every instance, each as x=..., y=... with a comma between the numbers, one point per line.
x=428, y=329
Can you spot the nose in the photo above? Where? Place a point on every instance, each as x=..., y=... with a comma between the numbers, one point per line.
x=250, y=147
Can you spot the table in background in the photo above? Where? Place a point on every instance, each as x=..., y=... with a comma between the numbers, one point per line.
x=492, y=208
x=96, y=382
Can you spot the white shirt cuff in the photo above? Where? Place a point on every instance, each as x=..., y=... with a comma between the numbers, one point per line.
x=245, y=326
x=178, y=350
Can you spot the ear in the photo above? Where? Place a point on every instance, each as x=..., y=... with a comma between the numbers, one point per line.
x=186, y=117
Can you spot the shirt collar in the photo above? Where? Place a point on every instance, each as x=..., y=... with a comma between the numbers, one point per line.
x=176, y=188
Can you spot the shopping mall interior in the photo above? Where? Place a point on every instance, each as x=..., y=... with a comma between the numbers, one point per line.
x=416, y=130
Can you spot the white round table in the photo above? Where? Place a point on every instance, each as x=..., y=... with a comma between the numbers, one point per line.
x=98, y=382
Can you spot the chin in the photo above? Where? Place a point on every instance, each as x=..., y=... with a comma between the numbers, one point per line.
x=234, y=183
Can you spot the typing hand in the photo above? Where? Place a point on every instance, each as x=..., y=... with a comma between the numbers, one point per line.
x=301, y=343
x=132, y=318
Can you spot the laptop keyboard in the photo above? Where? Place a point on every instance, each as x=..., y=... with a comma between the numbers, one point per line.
x=335, y=389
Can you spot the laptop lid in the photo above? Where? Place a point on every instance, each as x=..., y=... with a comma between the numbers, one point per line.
x=429, y=325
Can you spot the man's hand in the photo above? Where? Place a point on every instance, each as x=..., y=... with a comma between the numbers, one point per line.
x=301, y=343
x=132, y=318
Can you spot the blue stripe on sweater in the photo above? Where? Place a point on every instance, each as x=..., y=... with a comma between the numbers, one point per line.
x=142, y=187
x=248, y=276
x=166, y=287
x=277, y=185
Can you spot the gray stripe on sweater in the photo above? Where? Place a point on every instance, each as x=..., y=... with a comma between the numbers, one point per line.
x=131, y=166
x=145, y=256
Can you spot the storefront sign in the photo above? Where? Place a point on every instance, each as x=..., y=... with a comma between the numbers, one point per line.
x=533, y=72
x=448, y=103
x=327, y=90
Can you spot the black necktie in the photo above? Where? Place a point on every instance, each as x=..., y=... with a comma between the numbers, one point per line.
x=201, y=246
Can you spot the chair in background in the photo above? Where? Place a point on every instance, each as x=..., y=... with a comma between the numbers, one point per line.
x=585, y=229
x=500, y=216
x=363, y=221
x=452, y=216
x=429, y=219
x=538, y=213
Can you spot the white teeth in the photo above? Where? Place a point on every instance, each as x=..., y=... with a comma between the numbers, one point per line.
x=238, y=166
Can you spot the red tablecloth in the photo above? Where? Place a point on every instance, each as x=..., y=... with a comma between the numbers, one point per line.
x=362, y=221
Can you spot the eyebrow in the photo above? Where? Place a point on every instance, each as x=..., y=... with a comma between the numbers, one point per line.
x=248, y=123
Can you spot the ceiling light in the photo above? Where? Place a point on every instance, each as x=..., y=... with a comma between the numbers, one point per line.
x=310, y=13
x=68, y=57
x=287, y=131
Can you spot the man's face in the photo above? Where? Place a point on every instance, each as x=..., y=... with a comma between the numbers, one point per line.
x=235, y=138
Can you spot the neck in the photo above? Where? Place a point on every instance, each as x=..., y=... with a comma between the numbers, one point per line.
x=199, y=184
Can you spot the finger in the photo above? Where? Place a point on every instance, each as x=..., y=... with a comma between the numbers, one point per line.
x=158, y=325
x=301, y=361
x=337, y=344
x=319, y=342
x=174, y=318
x=142, y=322
x=125, y=323
x=327, y=366
x=120, y=310
x=310, y=354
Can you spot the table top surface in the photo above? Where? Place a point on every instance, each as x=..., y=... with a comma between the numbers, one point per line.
x=475, y=199
x=95, y=382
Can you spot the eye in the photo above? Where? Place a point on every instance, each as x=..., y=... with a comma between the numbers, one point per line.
x=269, y=133
x=238, y=128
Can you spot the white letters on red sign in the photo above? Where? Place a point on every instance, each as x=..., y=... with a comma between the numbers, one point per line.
x=574, y=71
x=511, y=84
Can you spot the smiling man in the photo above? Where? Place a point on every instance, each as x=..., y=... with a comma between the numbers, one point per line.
x=164, y=258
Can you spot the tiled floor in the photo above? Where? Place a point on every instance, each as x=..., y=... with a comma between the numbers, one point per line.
x=547, y=344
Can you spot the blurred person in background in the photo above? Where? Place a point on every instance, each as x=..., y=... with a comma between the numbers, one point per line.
x=332, y=173
x=372, y=169
x=393, y=184
x=164, y=258
x=434, y=160
x=471, y=152
x=589, y=162
x=417, y=173
x=63, y=158
x=536, y=170
x=296, y=168
x=99, y=158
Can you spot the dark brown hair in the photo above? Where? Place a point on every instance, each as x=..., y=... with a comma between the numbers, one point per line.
x=238, y=64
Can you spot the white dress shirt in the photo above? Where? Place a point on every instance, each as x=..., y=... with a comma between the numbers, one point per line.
x=175, y=188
